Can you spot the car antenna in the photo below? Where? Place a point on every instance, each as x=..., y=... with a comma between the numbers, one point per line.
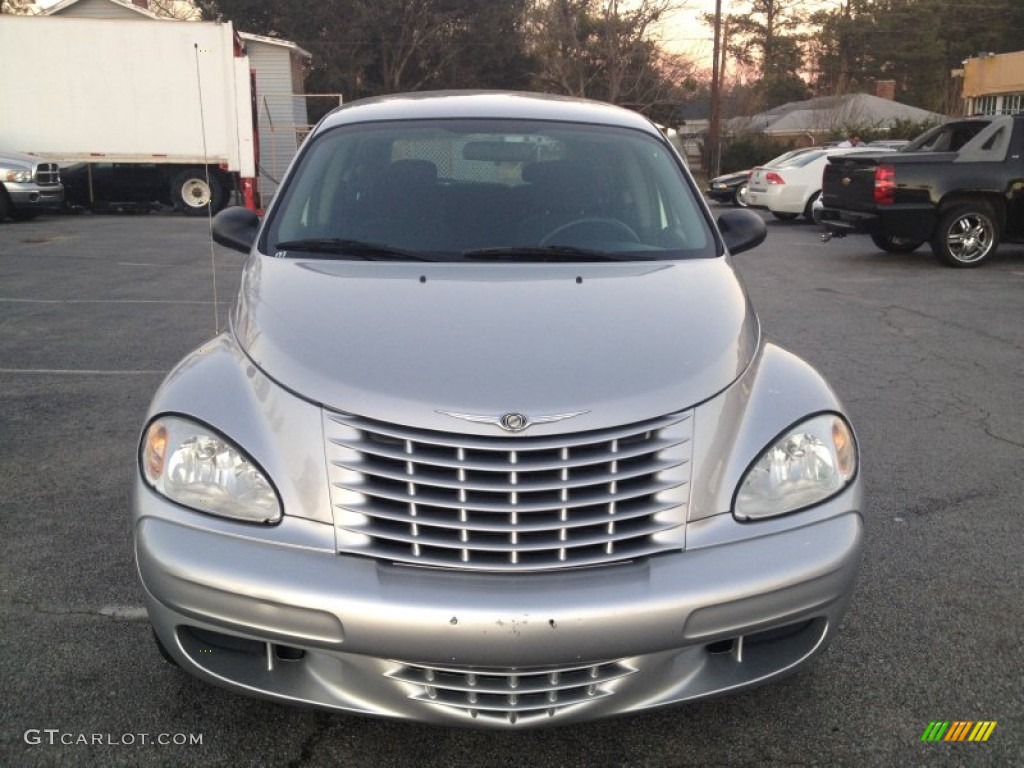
x=209, y=189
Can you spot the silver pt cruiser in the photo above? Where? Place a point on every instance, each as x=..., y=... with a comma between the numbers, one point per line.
x=494, y=437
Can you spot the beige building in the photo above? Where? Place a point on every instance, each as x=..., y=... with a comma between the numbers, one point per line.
x=994, y=84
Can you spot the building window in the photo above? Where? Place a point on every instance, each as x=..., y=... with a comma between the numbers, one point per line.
x=1004, y=104
x=985, y=105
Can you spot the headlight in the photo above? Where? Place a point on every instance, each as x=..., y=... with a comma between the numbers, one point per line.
x=811, y=462
x=191, y=464
x=17, y=175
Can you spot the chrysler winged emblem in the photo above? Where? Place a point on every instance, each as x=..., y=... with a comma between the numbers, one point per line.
x=513, y=422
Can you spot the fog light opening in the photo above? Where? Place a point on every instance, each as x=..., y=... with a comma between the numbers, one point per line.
x=206, y=641
x=779, y=633
x=721, y=646
x=288, y=653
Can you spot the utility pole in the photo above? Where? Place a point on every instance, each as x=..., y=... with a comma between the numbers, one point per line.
x=714, y=155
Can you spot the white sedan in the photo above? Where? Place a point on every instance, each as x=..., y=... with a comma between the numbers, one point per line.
x=788, y=187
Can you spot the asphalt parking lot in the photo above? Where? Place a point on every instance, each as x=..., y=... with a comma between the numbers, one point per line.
x=94, y=310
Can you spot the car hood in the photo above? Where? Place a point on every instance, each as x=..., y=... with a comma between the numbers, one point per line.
x=17, y=161
x=404, y=342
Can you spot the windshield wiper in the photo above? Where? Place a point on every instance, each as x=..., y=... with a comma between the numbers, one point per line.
x=559, y=253
x=337, y=246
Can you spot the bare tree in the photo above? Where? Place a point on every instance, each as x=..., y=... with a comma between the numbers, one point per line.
x=417, y=39
x=183, y=10
x=605, y=49
x=18, y=7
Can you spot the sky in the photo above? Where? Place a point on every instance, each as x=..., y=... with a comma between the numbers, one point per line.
x=686, y=33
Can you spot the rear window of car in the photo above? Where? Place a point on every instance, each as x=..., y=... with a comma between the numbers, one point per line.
x=448, y=187
x=805, y=158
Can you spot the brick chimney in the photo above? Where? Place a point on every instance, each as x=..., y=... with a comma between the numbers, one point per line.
x=141, y=4
x=885, y=89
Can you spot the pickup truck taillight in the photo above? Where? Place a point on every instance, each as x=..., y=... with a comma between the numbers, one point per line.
x=885, y=185
x=773, y=178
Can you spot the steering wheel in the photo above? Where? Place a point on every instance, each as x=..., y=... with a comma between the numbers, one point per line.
x=616, y=229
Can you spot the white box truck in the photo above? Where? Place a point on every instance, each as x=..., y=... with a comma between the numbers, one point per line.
x=135, y=110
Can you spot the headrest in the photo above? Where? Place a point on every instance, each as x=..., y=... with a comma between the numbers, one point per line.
x=409, y=172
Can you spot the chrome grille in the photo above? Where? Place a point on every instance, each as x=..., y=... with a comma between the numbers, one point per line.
x=509, y=503
x=511, y=695
x=47, y=174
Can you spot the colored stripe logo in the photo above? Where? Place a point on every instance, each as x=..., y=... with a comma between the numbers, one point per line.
x=958, y=730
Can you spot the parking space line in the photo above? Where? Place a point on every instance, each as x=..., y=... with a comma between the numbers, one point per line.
x=128, y=612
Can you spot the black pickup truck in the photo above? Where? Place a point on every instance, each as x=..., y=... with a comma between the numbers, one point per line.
x=958, y=187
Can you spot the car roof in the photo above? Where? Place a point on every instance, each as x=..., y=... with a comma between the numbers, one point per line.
x=432, y=105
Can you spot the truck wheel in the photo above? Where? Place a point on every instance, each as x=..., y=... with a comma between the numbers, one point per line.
x=784, y=216
x=193, y=196
x=967, y=235
x=891, y=244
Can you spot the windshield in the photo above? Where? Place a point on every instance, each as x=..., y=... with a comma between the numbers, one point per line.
x=487, y=190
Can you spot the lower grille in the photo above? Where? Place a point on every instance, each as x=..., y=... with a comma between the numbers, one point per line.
x=511, y=695
x=509, y=503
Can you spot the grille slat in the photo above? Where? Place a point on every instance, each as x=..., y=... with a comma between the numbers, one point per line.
x=508, y=503
x=514, y=541
x=595, y=494
x=483, y=463
x=488, y=523
x=521, y=483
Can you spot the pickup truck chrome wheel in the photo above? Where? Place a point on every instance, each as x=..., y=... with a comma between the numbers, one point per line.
x=966, y=236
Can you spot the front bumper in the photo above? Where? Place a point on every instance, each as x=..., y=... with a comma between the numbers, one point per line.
x=725, y=195
x=299, y=623
x=32, y=196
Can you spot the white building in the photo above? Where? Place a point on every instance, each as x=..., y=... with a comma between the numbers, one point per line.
x=278, y=69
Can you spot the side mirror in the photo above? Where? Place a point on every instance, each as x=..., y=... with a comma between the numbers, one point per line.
x=236, y=228
x=742, y=230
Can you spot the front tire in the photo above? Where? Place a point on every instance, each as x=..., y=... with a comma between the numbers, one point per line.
x=740, y=196
x=809, y=208
x=891, y=244
x=193, y=195
x=967, y=235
